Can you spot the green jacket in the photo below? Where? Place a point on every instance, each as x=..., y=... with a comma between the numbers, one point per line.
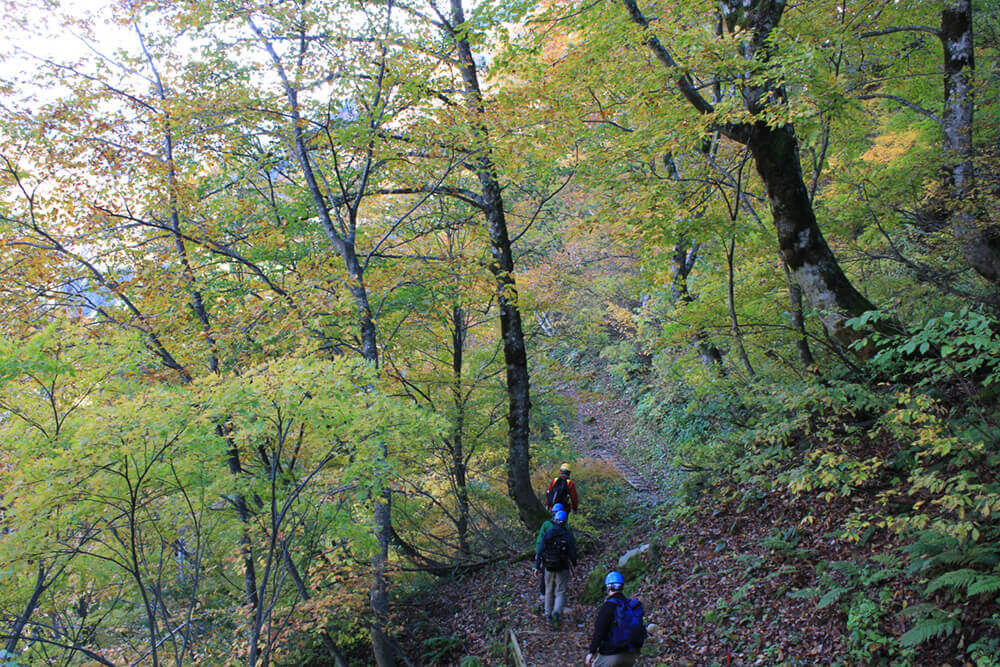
x=549, y=524
x=541, y=533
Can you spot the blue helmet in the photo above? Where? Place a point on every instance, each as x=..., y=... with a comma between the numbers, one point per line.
x=557, y=508
x=614, y=580
x=561, y=517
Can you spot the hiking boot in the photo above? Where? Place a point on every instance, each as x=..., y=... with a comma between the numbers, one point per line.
x=554, y=619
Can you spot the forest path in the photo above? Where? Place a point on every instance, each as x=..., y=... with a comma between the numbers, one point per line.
x=717, y=596
x=601, y=428
x=482, y=607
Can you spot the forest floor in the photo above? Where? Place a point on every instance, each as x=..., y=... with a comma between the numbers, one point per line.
x=717, y=596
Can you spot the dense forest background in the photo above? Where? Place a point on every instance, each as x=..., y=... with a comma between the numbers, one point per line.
x=301, y=301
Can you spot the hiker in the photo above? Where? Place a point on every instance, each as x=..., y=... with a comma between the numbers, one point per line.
x=557, y=553
x=549, y=523
x=562, y=491
x=619, y=631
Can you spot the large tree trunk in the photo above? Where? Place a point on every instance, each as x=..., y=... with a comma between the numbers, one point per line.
x=776, y=154
x=981, y=247
x=515, y=355
x=809, y=258
x=529, y=509
x=798, y=320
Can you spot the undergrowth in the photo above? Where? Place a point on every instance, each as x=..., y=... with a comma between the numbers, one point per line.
x=903, y=451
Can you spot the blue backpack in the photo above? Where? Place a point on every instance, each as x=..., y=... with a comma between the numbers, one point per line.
x=629, y=632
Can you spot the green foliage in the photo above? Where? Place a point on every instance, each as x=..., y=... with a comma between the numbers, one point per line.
x=171, y=415
x=786, y=543
x=932, y=624
x=944, y=349
x=864, y=592
x=436, y=649
x=556, y=450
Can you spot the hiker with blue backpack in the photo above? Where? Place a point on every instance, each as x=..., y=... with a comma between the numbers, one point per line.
x=619, y=631
x=557, y=554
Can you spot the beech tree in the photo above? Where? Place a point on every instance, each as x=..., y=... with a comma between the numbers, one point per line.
x=502, y=267
x=774, y=146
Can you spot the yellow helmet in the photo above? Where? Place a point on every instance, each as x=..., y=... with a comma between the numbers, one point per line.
x=564, y=468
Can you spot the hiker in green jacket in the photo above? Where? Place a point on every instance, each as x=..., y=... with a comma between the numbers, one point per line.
x=549, y=523
x=558, y=556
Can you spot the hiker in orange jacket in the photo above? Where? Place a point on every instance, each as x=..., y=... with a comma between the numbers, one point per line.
x=562, y=491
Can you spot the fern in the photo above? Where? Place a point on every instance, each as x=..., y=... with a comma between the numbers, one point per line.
x=953, y=579
x=805, y=593
x=985, y=584
x=937, y=625
x=831, y=596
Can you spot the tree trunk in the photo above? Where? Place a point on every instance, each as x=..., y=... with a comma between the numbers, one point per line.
x=366, y=323
x=300, y=586
x=529, y=509
x=981, y=247
x=776, y=154
x=798, y=320
x=385, y=653
x=458, y=429
x=683, y=261
x=734, y=322
x=29, y=609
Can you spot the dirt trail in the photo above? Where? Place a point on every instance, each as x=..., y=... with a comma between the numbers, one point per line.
x=599, y=429
x=718, y=595
x=507, y=596
x=602, y=426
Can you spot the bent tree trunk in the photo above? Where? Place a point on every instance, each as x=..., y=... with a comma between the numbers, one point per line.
x=980, y=246
x=529, y=509
x=815, y=268
x=776, y=155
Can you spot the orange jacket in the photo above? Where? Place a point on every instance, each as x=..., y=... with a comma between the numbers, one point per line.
x=574, y=501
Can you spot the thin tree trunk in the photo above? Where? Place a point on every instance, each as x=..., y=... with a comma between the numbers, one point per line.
x=683, y=261
x=529, y=508
x=981, y=247
x=300, y=586
x=29, y=609
x=385, y=653
x=201, y=313
x=366, y=322
x=343, y=242
x=458, y=429
x=735, y=325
